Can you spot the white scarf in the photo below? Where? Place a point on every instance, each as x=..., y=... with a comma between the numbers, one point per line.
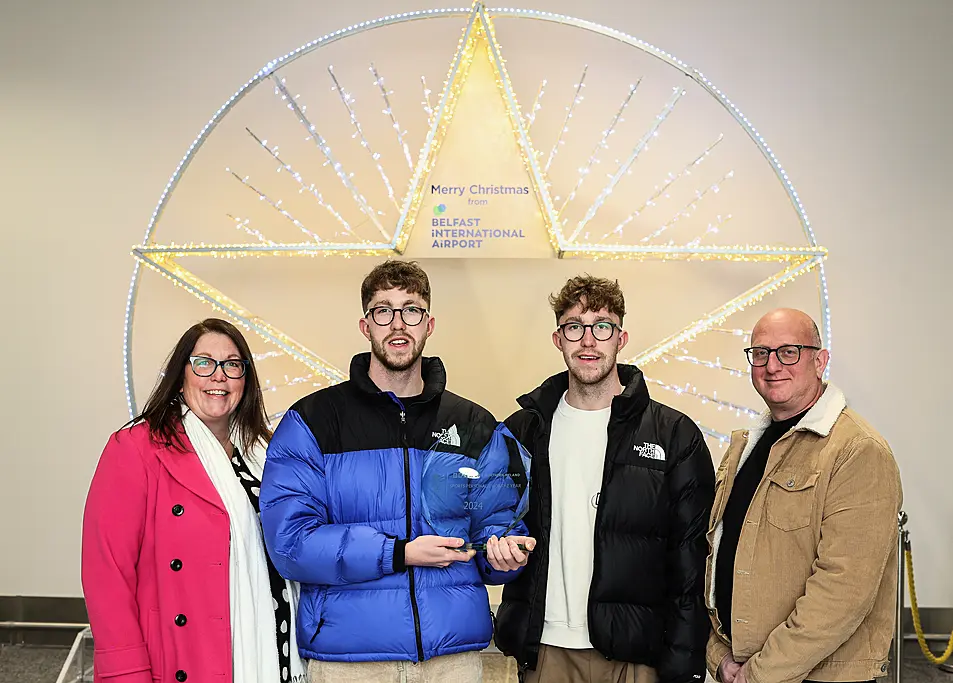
x=254, y=645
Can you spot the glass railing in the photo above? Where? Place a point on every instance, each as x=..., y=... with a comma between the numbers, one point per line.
x=78, y=667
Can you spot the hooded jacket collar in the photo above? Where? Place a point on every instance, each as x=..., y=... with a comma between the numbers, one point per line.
x=632, y=401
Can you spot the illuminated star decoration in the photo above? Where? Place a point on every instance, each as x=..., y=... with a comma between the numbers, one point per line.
x=478, y=41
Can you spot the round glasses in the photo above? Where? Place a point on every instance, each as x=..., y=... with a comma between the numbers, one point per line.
x=601, y=331
x=789, y=354
x=384, y=315
x=203, y=366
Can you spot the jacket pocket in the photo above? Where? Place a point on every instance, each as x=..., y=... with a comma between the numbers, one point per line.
x=790, y=499
x=510, y=628
x=315, y=614
x=154, y=644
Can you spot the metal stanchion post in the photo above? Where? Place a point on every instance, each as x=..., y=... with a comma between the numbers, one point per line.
x=902, y=540
x=904, y=548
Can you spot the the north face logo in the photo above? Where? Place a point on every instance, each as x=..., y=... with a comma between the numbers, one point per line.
x=650, y=450
x=448, y=436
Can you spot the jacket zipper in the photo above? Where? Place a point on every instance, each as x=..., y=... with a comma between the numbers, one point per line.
x=536, y=590
x=317, y=630
x=410, y=570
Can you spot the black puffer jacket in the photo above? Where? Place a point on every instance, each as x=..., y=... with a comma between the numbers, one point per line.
x=646, y=599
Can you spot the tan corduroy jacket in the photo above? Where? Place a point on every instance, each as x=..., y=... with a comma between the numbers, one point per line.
x=815, y=580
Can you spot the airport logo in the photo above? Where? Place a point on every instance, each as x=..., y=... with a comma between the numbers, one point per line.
x=439, y=209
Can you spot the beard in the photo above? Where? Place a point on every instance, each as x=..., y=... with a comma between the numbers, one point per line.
x=591, y=375
x=401, y=360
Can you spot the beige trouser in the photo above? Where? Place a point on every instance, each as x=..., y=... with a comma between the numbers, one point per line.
x=559, y=665
x=464, y=667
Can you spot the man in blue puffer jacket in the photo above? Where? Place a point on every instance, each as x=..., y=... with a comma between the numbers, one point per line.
x=342, y=509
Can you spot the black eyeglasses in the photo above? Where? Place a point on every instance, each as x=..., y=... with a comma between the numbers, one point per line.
x=789, y=354
x=384, y=315
x=601, y=331
x=203, y=366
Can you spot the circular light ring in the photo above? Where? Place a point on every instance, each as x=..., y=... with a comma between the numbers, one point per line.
x=404, y=17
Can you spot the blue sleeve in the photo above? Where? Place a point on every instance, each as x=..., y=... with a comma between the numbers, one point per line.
x=499, y=498
x=301, y=542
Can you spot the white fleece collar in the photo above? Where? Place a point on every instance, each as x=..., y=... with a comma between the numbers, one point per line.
x=823, y=414
x=819, y=419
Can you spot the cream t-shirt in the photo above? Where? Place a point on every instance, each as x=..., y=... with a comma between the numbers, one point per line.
x=577, y=450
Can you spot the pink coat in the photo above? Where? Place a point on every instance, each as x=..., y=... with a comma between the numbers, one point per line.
x=155, y=566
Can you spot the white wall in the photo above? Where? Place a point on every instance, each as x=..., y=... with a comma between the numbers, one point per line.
x=100, y=100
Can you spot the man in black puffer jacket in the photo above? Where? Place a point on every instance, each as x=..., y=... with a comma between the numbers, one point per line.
x=621, y=493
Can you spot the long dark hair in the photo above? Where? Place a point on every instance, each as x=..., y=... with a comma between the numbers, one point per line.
x=163, y=411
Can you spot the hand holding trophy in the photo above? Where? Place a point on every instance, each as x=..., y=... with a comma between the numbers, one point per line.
x=477, y=490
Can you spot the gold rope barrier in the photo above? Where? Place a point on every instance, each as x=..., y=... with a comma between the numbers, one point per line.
x=915, y=611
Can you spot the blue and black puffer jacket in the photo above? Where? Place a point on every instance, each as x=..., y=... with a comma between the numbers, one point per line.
x=340, y=499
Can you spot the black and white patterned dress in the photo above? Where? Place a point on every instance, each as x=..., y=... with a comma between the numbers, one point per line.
x=279, y=592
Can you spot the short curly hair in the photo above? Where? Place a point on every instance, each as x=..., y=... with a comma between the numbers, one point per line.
x=594, y=293
x=406, y=275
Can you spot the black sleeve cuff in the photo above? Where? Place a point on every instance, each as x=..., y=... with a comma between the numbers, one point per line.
x=400, y=563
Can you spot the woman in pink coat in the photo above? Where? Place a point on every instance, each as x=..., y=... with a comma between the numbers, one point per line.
x=177, y=581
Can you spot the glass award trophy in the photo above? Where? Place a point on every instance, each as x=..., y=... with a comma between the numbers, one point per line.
x=472, y=490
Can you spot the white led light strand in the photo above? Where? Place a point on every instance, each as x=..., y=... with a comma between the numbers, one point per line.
x=576, y=99
x=687, y=210
x=307, y=379
x=601, y=145
x=531, y=117
x=723, y=439
x=266, y=355
x=714, y=365
x=662, y=189
x=627, y=164
x=348, y=102
x=732, y=331
x=274, y=418
x=242, y=224
x=389, y=112
x=303, y=187
x=712, y=229
x=428, y=106
x=322, y=145
x=689, y=390
x=276, y=205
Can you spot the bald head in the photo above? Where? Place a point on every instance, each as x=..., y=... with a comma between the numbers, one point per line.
x=792, y=379
x=792, y=321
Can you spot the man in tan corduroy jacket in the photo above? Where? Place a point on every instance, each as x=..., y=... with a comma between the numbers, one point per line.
x=801, y=578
